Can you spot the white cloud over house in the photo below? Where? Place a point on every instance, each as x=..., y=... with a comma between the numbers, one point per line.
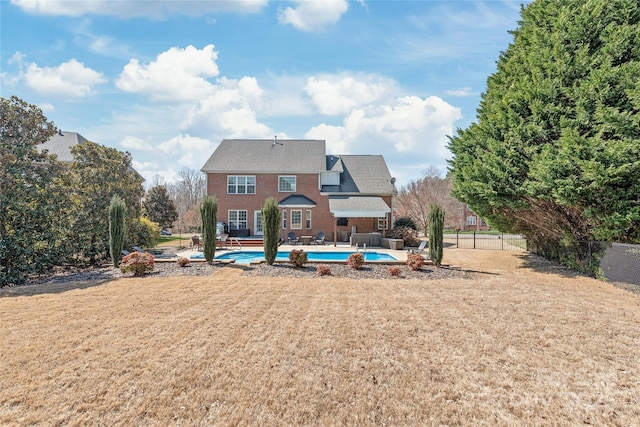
x=339, y=94
x=411, y=128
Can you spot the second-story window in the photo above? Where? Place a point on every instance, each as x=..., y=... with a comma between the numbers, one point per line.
x=241, y=184
x=287, y=183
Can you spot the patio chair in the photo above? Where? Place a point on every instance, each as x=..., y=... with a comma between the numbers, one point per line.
x=223, y=238
x=419, y=249
x=196, y=243
x=319, y=240
x=292, y=238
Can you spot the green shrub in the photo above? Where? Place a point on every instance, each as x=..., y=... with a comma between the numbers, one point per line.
x=355, y=261
x=405, y=221
x=298, y=257
x=208, y=213
x=271, y=229
x=436, y=230
x=142, y=232
x=137, y=263
x=117, y=228
x=415, y=261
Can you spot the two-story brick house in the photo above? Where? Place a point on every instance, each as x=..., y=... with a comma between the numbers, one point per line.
x=315, y=191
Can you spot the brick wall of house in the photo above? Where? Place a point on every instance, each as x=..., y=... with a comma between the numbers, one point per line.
x=267, y=186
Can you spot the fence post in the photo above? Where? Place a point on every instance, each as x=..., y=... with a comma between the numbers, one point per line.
x=474, y=239
x=458, y=239
x=502, y=238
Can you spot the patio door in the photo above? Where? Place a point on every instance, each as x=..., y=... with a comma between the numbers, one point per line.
x=257, y=223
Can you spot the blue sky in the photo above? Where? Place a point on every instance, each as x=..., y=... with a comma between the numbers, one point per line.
x=168, y=80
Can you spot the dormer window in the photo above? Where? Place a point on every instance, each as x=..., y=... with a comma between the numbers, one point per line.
x=287, y=184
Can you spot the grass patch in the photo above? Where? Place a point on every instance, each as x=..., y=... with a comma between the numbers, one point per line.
x=516, y=346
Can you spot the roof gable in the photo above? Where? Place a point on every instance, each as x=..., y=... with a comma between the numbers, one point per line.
x=267, y=156
x=60, y=144
x=364, y=175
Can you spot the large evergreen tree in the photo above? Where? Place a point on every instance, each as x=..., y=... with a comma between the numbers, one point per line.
x=99, y=173
x=34, y=199
x=555, y=152
x=159, y=206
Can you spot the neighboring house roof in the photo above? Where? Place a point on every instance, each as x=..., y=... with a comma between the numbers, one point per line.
x=60, y=144
x=363, y=175
x=358, y=206
x=267, y=156
x=296, y=200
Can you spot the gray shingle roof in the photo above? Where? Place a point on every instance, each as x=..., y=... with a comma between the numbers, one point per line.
x=263, y=156
x=363, y=175
x=61, y=143
x=296, y=200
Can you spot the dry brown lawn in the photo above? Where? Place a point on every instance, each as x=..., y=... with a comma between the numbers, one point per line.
x=523, y=343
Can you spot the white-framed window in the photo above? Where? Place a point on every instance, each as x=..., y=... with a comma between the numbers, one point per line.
x=296, y=219
x=471, y=220
x=308, y=219
x=241, y=184
x=284, y=219
x=382, y=223
x=237, y=219
x=287, y=184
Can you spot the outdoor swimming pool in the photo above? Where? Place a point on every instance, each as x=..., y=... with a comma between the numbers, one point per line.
x=246, y=257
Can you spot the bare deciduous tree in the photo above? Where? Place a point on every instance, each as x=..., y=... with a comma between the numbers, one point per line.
x=413, y=200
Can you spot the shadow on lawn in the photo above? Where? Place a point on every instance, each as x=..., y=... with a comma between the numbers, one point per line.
x=543, y=265
x=51, y=288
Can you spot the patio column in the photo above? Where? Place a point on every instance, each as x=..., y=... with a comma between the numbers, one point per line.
x=335, y=231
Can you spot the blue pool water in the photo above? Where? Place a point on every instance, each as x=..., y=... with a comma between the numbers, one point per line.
x=246, y=257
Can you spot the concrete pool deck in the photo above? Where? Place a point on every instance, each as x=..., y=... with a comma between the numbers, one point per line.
x=399, y=254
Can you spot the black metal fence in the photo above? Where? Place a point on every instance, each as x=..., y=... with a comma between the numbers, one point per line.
x=479, y=240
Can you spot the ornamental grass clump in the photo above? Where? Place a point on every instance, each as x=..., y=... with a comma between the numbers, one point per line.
x=298, y=257
x=355, y=261
x=323, y=270
x=415, y=261
x=137, y=263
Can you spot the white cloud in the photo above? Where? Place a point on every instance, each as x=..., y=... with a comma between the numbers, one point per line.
x=133, y=143
x=138, y=9
x=313, y=15
x=463, y=91
x=70, y=79
x=230, y=110
x=334, y=95
x=47, y=107
x=411, y=128
x=176, y=74
x=187, y=151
